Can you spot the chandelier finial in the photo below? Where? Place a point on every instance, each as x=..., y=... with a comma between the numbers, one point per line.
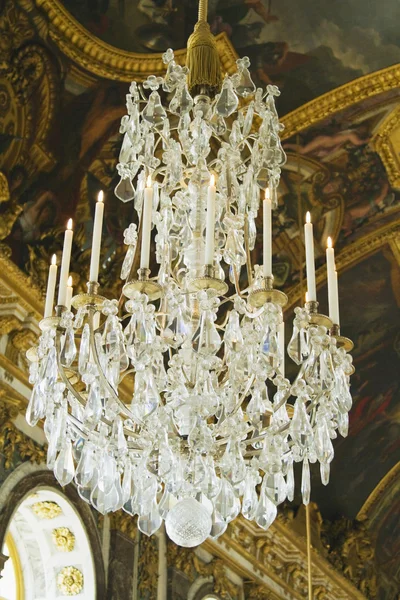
x=202, y=57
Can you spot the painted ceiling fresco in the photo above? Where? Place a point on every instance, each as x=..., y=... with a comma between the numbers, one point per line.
x=59, y=145
x=307, y=48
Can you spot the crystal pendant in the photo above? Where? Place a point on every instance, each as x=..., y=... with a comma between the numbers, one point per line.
x=107, y=473
x=150, y=521
x=50, y=374
x=68, y=352
x=146, y=396
x=250, y=498
x=270, y=349
x=176, y=330
x=208, y=339
x=125, y=190
x=325, y=471
x=266, y=512
x=234, y=252
x=275, y=487
x=128, y=262
x=245, y=86
x=85, y=469
x=298, y=348
x=218, y=527
x=226, y=503
x=323, y=444
x=84, y=350
x=36, y=409
x=227, y=102
x=290, y=482
x=64, y=465
x=154, y=111
x=300, y=428
x=126, y=154
x=306, y=482
x=94, y=408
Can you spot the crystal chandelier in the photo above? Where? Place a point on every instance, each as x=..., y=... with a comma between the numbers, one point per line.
x=212, y=427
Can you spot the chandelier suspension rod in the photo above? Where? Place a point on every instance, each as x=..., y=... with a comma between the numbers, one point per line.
x=203, y=10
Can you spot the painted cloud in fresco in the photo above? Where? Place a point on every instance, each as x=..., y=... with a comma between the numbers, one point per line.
x=306, y=26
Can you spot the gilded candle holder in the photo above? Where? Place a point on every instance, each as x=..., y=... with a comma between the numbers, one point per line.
x=267, y=293
x=208, y=281
x=92, y=297
x=341, y=341
x=315, y=317
x=144, y=285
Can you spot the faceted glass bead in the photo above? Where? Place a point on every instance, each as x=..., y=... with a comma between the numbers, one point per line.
x=188, y=523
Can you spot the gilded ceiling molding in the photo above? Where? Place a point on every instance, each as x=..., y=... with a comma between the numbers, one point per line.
x=13, y=441
x=386, y=142
x=352, y=254
x=379, y=491
x=105, y=60
x=340, y=98
x=32, y=75
x=28, y=296
x=4, y=189
x=276, y=559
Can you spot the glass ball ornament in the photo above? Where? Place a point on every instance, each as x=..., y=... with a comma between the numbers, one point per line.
x=188, y=523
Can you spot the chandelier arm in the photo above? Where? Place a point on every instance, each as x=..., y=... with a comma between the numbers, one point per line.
x=62, y=373
x=76, y=394
x=283, y=400
x=237, y=284
x=125, y=373
x=79, y=426
x=225, y=440
x=103, y=378
x=240, y=401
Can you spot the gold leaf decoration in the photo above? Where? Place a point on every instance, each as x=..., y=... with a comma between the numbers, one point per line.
x=70, y=581
x=187, y=562
x=47, y=510
x=148, y=567
x=64, y=539
x=13, y=441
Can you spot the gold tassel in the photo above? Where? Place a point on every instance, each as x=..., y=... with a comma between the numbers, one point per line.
x=202, y=58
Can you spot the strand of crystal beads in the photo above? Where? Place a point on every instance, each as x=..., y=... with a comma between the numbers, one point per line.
x=209, y=432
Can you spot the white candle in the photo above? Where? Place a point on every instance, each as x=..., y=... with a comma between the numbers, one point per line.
x=281, y=344
x=96, y=240
x=210, y=223
x=51, y=288
x=70, y=291
x=267, y=235
x=146, y=225
x=65, y=262
x=310, y=263
x=334, y=302
x=330, y=267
